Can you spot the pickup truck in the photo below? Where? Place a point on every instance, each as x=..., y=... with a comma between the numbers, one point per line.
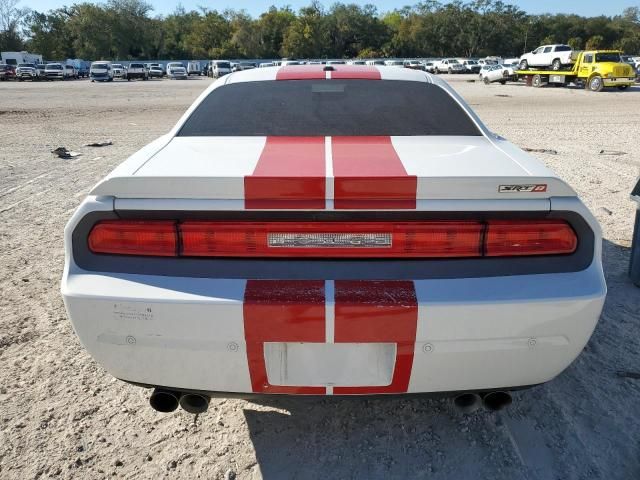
x=449, y=65
x=137, y=70
x=552, y=57
x=26, y=71
x=593, y=69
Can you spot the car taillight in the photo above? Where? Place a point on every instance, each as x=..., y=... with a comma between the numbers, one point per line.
x=129, y=237
x=331, y=239
x=511, y=238
x=429, y=239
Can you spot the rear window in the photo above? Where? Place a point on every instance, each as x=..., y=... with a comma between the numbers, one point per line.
x=136, y=65
x=328, y=108
x=563, y=48
x=222, y=65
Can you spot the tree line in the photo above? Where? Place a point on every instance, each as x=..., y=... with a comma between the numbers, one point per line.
x=127, y=29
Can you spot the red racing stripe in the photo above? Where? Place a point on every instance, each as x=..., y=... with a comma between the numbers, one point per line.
x=368, y=174
x=281, y=311
x=355, y=72
x=290, y=174
x=301, y=72
x=378, y=311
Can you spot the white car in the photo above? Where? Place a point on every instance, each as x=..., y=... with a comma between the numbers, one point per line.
x=430, y=67
x=450, y=65
x=496, y=73
x=118, y=70
x=177, y=72
x=27, y=71
x=219, y=68
x=70, y=72
x=101, y=72
x=54, y=71
x=341, y=253
x=471, y=66
x=547, y=56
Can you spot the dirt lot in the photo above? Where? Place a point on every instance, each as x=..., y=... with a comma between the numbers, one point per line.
x=61, y=415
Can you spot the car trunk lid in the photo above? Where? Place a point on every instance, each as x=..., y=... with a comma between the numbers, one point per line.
x=332, y=172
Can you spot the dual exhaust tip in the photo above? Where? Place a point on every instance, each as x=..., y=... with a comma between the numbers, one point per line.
x=165, y=401
x=492, y=401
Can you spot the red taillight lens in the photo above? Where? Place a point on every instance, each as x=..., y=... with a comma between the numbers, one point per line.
x=511, y=238
x=435, y=239
x=127, y=237
x=331, y=239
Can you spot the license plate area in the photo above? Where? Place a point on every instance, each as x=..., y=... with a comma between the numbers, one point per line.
x=329, y=364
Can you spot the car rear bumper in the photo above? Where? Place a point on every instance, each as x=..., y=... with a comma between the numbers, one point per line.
x=201, y=333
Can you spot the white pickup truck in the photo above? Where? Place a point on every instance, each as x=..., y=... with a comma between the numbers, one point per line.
x=553, y=56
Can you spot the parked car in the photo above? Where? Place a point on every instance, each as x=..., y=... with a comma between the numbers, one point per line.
x=450, y=65
x=194, y=68
x=27, y=71
x=413, y=65
x=240, y=66
x=176, y=71
x=137, y=71
x=54, y=71
x=482, y=274
x=547, y=56
x=394, y=63
x=357, y=62
x=156, y=72
x=40, y=67
x=266, y=64
x=471, y=66
x=70, y=72
x=81, y=66
x=630, y=60
x=101, y=72
x=484, y=69
x=375, y=62
x=498, y=73
x=118, y=71
x=6, y=72
x=430, y=67
x=220, y=68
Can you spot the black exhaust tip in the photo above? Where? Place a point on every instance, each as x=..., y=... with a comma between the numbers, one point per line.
x=497, y=400
x=467, y=402
x=164, y=401
x=194, y=403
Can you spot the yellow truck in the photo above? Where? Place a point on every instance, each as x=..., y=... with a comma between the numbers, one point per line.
x=595, y=69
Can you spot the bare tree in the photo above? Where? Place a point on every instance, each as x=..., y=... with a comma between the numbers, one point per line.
x=11, y=15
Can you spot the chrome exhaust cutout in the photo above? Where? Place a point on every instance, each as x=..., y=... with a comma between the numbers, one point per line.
x=467, y=402
x=495, y=401
x=165, y=401
x=194, y=403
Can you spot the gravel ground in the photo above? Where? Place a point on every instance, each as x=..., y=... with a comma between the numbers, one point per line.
x=63, y=416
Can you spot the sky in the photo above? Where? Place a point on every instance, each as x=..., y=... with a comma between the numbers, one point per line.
x=587, y=8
